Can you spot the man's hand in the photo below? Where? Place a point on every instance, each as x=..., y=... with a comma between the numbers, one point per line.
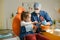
x=34, y=28
x=48, y=23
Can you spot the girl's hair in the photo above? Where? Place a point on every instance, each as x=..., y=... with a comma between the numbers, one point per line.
x=24, y=15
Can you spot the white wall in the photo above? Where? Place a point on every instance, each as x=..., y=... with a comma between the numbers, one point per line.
x=48, y=5
x=1, y=13
x=10, y=6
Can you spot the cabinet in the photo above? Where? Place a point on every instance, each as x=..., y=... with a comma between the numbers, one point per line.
x=14, y=38
x=7, y=34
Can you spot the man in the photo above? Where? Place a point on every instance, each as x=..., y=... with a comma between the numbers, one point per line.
x=36, y=16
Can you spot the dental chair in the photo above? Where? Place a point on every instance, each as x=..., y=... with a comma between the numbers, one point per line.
x=17, y=20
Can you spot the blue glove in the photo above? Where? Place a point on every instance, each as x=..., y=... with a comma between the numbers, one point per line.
x=44, y=22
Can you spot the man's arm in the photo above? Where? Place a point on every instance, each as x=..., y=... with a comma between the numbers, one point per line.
x=48, y=19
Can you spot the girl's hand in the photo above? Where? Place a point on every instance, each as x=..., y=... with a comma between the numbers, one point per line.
x=34, y=28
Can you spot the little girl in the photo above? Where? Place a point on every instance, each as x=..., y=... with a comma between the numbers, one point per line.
x=26, y=25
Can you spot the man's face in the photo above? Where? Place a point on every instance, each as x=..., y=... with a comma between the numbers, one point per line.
x=37, y=10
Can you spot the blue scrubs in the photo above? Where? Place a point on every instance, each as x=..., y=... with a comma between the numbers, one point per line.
x=44, y=14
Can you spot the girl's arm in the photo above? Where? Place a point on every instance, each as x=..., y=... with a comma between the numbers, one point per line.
x=25, y=23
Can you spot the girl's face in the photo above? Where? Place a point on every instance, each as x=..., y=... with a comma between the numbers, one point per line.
x=28, y=18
